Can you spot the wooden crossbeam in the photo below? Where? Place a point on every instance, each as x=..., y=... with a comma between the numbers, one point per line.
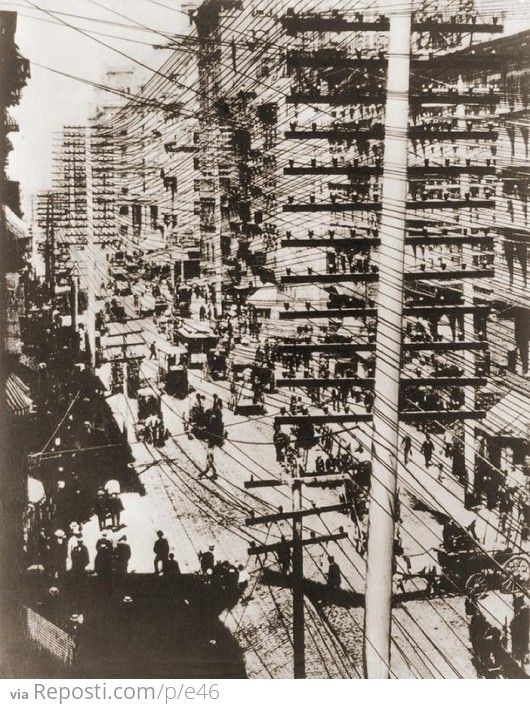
x=376, y=132
x=127, y=359
x=451, y=203
x=335, y=59
x=368, y=382
x=360, y=277
x=122, y=345
x=297, y=513
x=340, y=207
x=423, y=97
x=419, y=310
x=274, y=547
x=350, y=348
x=342, y=98
x=337, y=278
x=351, y=206
x=412, y=240
x=257, y=484
x=454, y=98
x=126, y=332
x=293, y=24
x=407, y=416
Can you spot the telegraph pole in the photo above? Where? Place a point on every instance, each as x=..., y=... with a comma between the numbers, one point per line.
x=50, y=245
x=378, y=610
x=298, y=585
x=297, y=546
x=468, y=330
x=90, y=260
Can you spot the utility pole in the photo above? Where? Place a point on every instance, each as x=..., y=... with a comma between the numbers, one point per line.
x=74, y=312
x=50, y=245
x=468, y=330
x=379, y=573
x=297, y=546
x=125, y=375
x=214, y=138
x=90, y=267
x=298, y=585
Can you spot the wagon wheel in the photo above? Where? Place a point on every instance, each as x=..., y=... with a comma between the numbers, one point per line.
x=476, y=584
x=516, y=574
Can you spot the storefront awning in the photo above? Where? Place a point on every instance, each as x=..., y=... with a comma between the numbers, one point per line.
x=17, y=396
x=16, y=226
x=510, y=417
x=267, y=296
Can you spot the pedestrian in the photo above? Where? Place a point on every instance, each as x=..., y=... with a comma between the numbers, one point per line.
x=152, y=350
x=101, y=508
x=284, y=555
x=427, y=450
x=281, y=442
x=161, y=551
x=58, y=554
x=207, y=559
x=243, y=579
x=520, y=629
x=115, y=508
x=334, y=577
x=210, y=466
x=103, y=559
x=122, y=556
x=368, y=401
x=406, y=444
x=172, y=567
x=80, y=559
x=43, y=548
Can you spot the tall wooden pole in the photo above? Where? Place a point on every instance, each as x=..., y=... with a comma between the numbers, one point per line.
x=378, y=610
x=298, y=586
x=468, y=327
x=90, y=267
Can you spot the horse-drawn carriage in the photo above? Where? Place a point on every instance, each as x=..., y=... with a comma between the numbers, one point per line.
x=467, y=568
x=177, y=382
x=205, y=424
x=216, y=364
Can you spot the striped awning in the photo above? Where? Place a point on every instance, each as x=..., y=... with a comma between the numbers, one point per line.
x=18, y=397
x=509, y=417
x=16, y=226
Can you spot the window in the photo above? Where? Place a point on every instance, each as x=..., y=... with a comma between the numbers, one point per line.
x=137, y=215
x=154, y=216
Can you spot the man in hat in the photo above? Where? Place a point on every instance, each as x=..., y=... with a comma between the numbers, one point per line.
x=406, y=444
x=334, y=577
x=74, y=538
x=172, y=567
x=103, y=560
x=427, y=450
x=58, y=554
x=52, y=603
x=207, y=559
x=115, y=508
x=284, y=555
x=210, y=465
x=161, y=551
x=101, y=507
x=122, y=556
x=80, y=559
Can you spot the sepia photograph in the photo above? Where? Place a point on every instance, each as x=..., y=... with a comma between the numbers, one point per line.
x=265, y=327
